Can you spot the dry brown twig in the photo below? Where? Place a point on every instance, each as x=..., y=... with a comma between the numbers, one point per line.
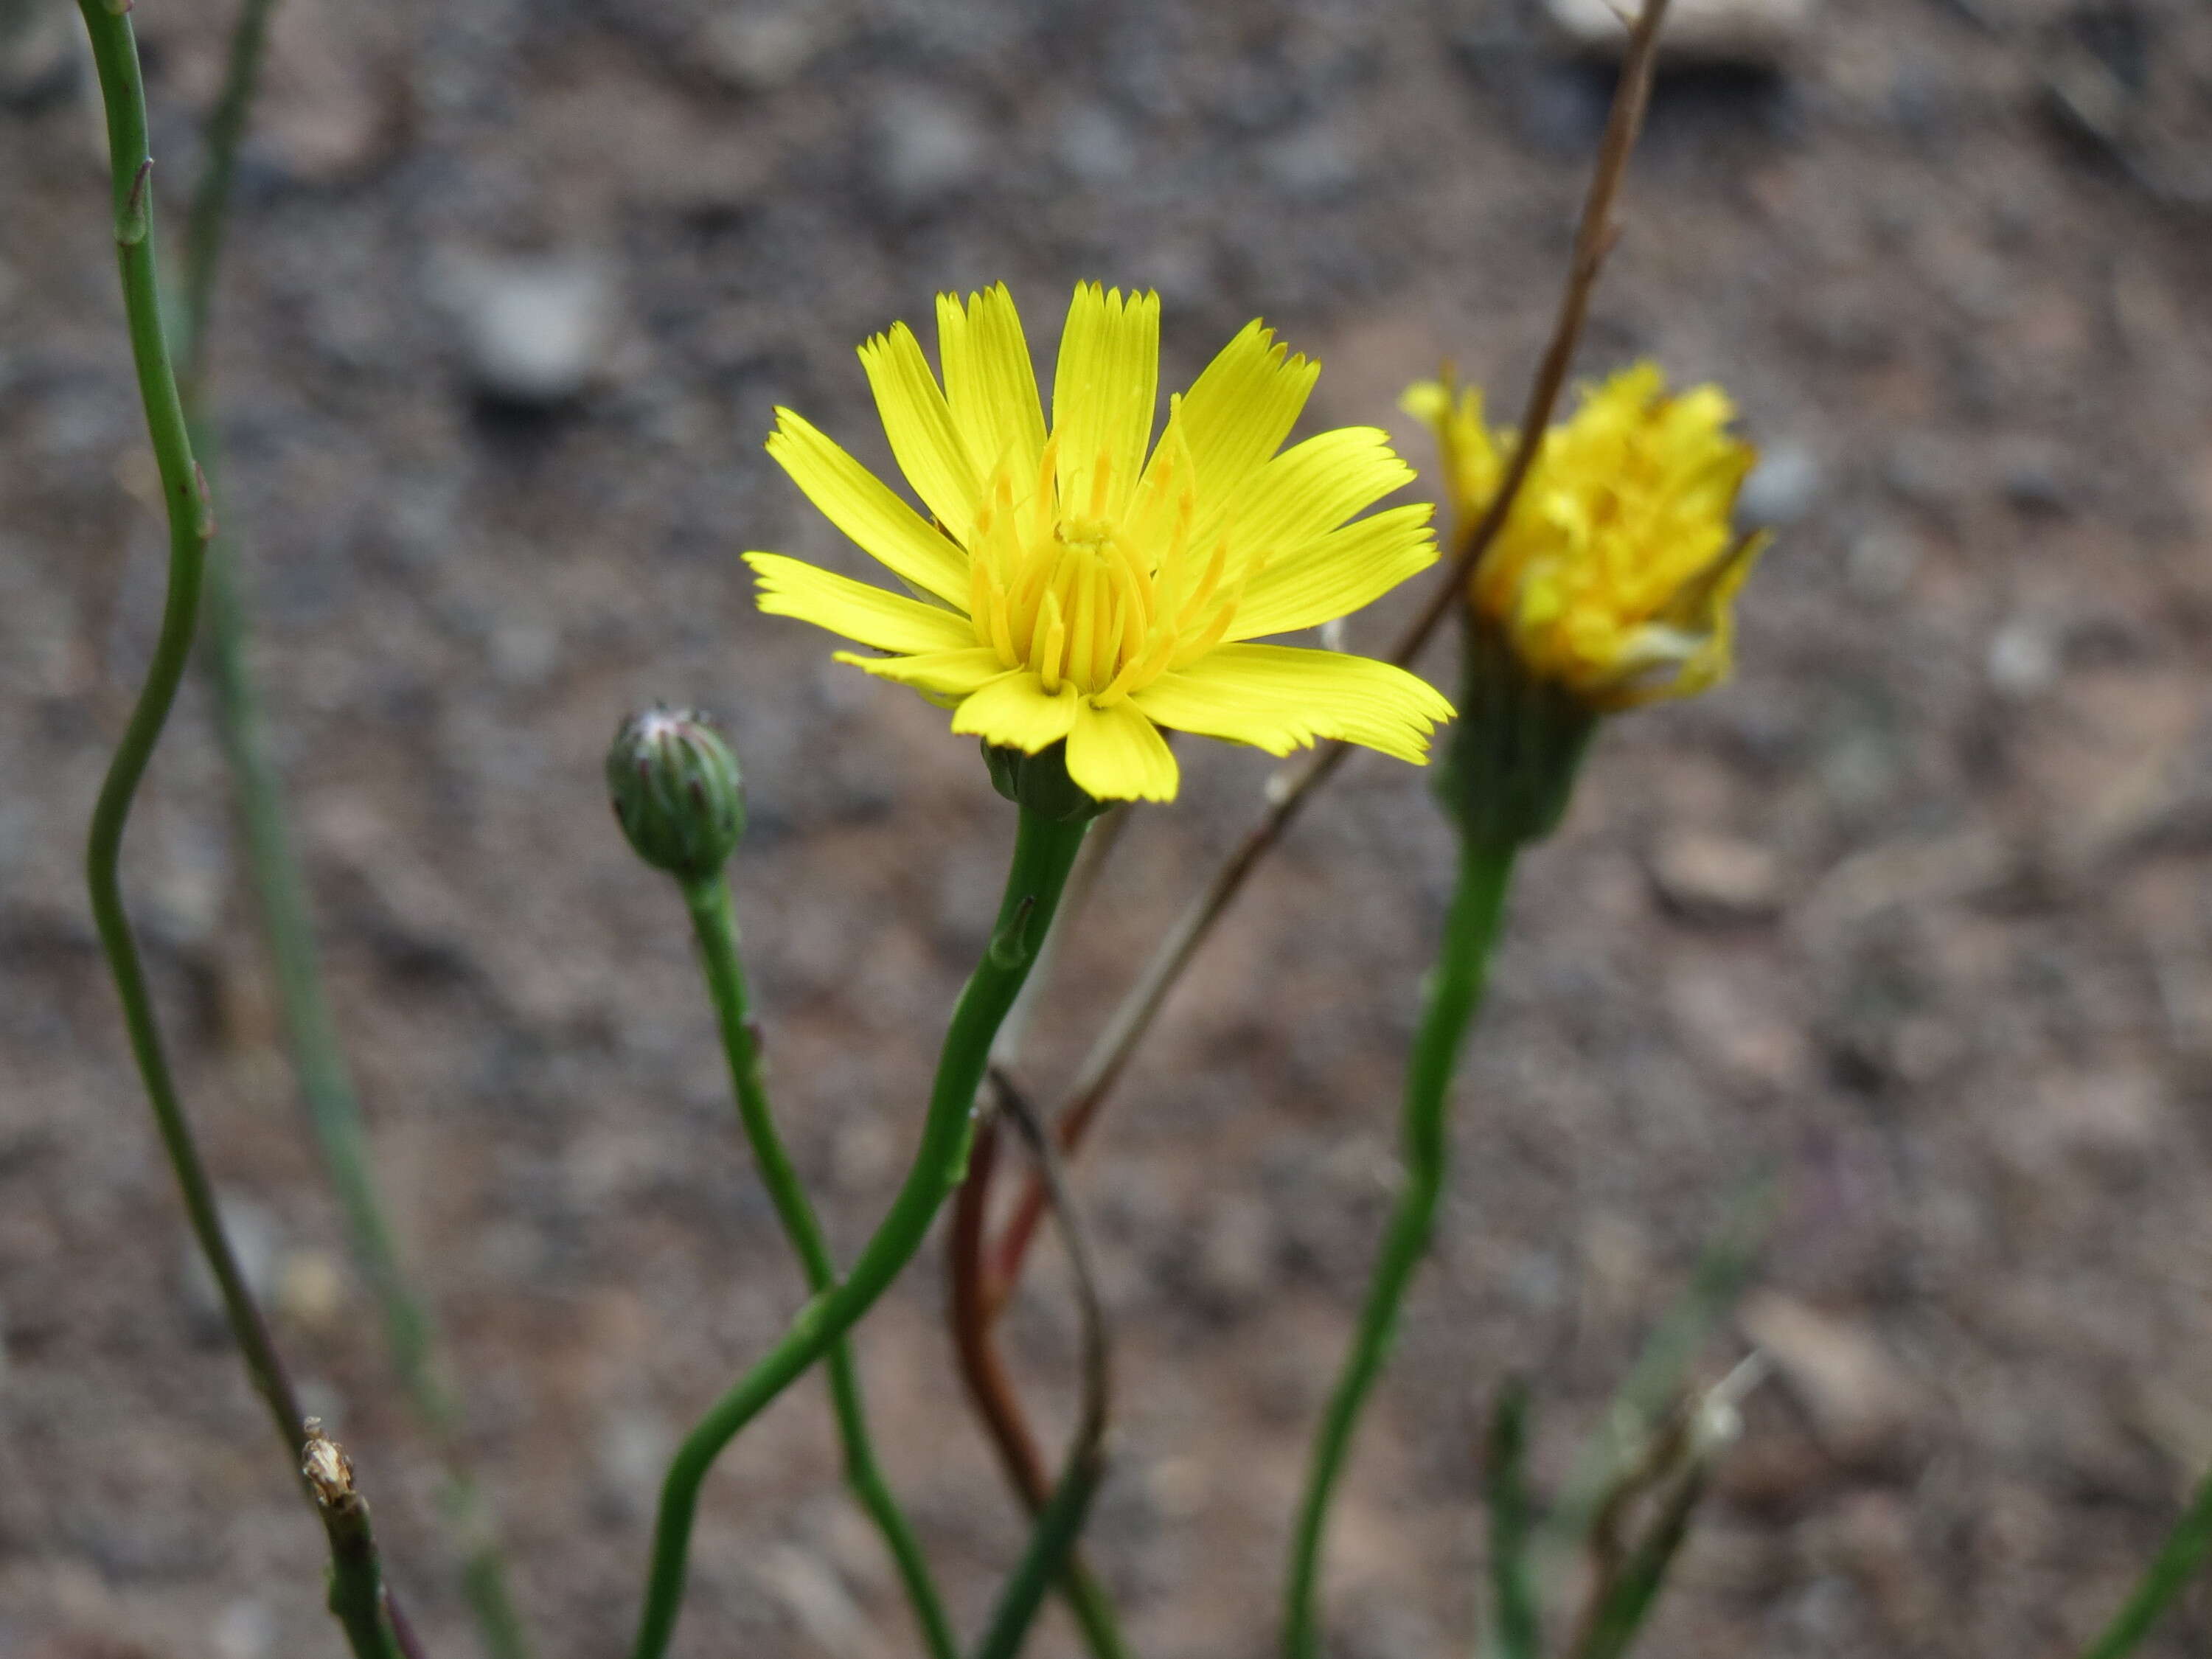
x=985, y=1272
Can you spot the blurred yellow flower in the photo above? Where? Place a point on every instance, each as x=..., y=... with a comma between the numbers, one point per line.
x=1615, y=572
x=1068, y=587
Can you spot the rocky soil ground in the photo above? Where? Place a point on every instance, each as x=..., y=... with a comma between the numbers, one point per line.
x=1914, y=915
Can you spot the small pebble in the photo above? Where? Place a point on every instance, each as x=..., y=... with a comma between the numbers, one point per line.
x=2023, y=659
x=1094, y=146
x=310, y=1288
x=1716, y=878
x=1861, y=1404
x=255, y=1241
x=1754, y=33
x=759, y=51
x=929, y=149
x=42, y=52
x=1313, y=165
x=1782, y=488
x=533, y=331
x=1882, y=563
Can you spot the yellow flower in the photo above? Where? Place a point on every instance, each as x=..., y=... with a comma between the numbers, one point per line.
x=1616, y=570
x=1069, y=588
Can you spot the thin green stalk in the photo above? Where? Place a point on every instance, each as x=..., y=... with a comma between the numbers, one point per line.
x=334, y=1113
x=1042, y=1562
x=1654, y=1383
x=280, y=888
x=1506, y=1484
x=208, y=215
x=191, y=526
x=1043, y=850
x=2178, y=1560
x=713, y=921
x=356, y=1596
x=1635, y=1590
x=1454, y=992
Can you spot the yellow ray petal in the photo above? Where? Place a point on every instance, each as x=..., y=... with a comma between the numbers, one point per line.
x=920, y=426
x=1103, y=388
x=1016, y=712
x=1309, y=490
x=1238, y=411
x=1279, y=698
x=866, y=508
x=1117, y=754
x=989, y=381
x=890, y=622
x=935, y=673
x=1338, y=573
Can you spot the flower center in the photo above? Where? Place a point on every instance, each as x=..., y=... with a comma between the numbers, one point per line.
x=1085, y=600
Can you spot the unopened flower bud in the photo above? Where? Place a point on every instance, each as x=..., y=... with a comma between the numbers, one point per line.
x=676, y=791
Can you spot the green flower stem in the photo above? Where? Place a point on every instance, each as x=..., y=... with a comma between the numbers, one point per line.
x=1454, y=992
x=357, y=1598
x=183, y=493
x=1043, y=1563
x=1506, y=1484
x=273, y=867
x=208, y=217
x=1043, y=850
x=715, y=922
x=2178, y=1560
x=334, y=1113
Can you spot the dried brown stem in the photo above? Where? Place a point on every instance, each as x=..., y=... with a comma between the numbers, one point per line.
x=971, y=1312
x=1051, y=1555
x=1110, y=1056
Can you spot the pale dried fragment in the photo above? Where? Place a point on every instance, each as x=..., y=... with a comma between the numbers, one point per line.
x=1861, y=1404
x=1760, y=33
x=1716, y=878
x=327, y=1467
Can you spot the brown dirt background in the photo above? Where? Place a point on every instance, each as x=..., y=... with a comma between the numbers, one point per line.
x=1970, y=1027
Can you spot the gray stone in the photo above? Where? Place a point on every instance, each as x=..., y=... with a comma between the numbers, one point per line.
x=1237, y=1254
x=630, y=1456
x=533, y=331
x=42, y=51
x=1782, y=488
x=1882, y=563
x=1716, y=878
x=760, y=50
x=257, y=1244
x=929, y=148
x=1861, y=1406
x=1759, y=34
x=816, y=1598
x=1094, y=145
x=1313, y=165
x=2023, y=657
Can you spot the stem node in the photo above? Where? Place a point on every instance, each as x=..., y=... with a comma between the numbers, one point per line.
x=131, y=223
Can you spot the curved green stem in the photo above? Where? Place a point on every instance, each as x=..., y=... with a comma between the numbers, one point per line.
x=1454, y=992
x=2178, y=1561
x=1043, y=1562
x=1043, y=849
x=713, y=921
x=191, y=526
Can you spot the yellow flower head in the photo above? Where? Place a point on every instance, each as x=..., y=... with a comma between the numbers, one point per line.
x=1616, y=570
x=1072, y=587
